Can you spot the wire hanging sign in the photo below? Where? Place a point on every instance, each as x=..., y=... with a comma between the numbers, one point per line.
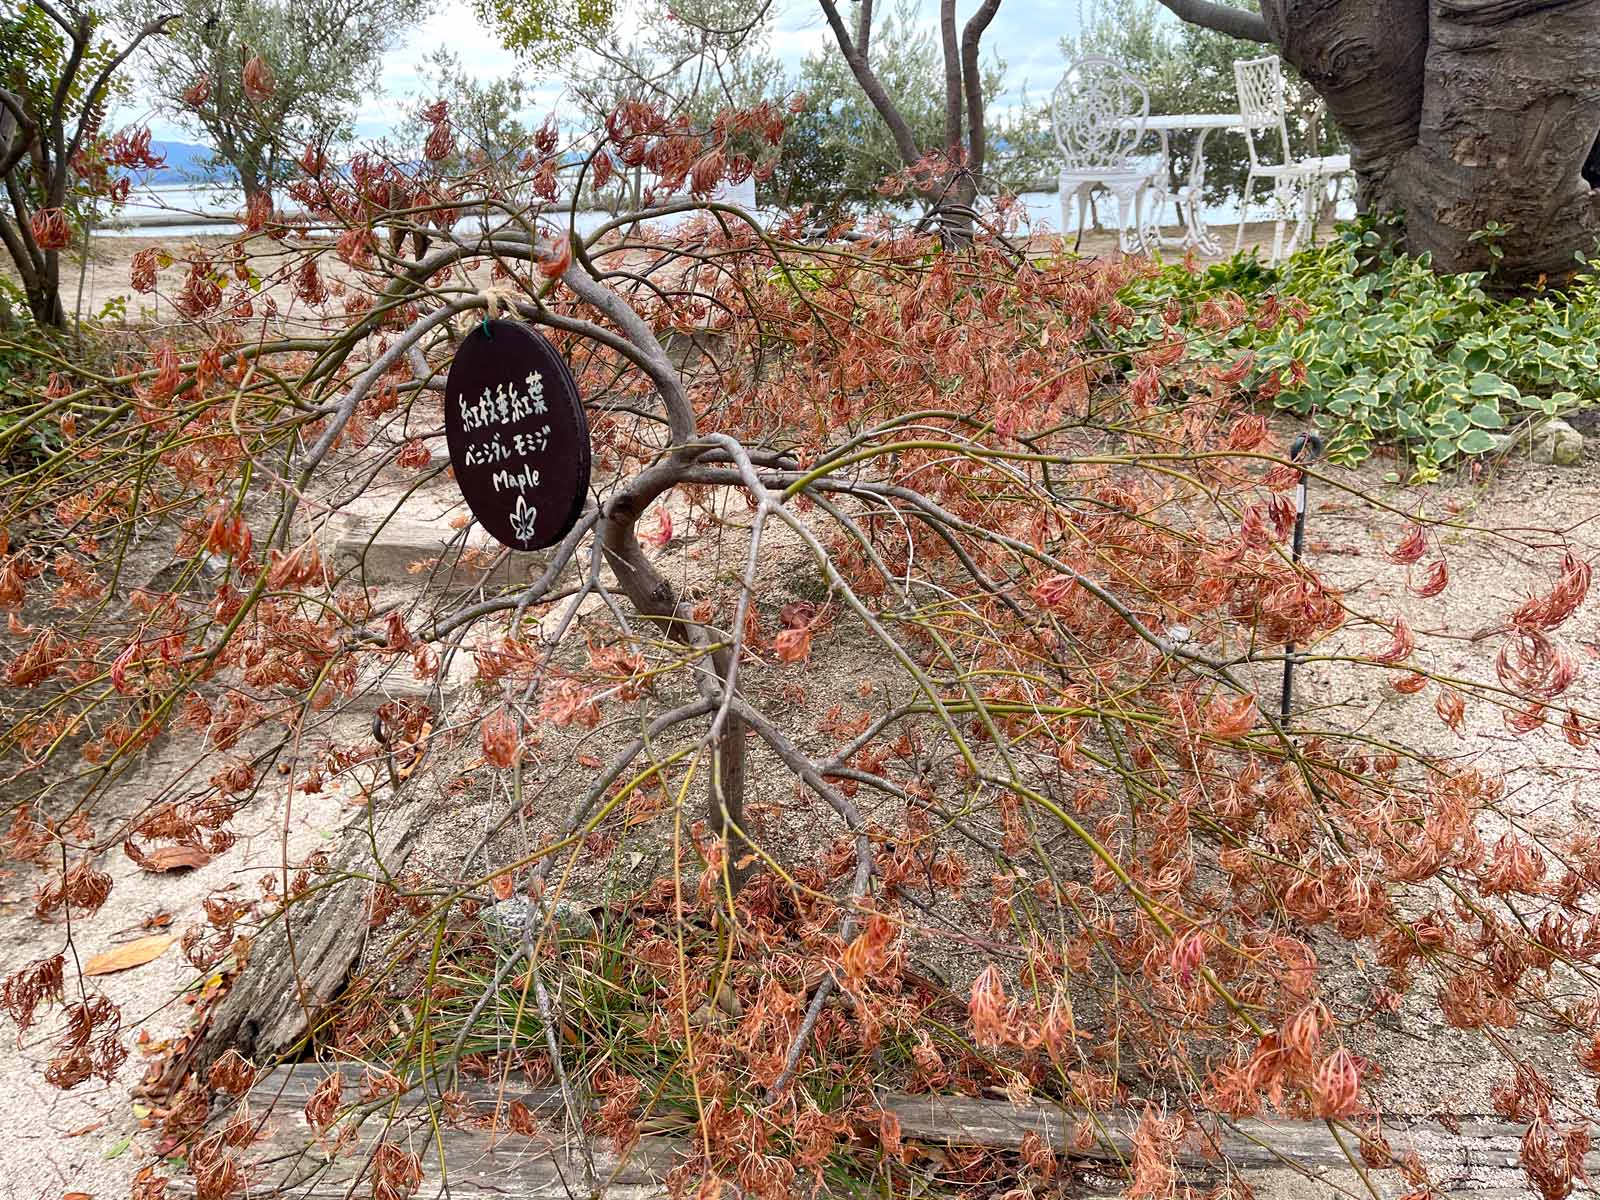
x=518, y=435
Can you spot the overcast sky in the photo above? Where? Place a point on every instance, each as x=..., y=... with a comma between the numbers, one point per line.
x=1025, y=33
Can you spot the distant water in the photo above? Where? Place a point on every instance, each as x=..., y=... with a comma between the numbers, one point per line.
x=181, y=204
x=148, y=206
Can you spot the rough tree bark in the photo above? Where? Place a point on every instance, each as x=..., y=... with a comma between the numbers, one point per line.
x=1459, y=113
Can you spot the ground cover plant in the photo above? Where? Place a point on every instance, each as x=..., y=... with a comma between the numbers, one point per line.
x=902, y=712
x=1378, y=348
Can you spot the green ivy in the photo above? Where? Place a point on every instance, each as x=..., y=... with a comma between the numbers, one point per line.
x=1393, y=352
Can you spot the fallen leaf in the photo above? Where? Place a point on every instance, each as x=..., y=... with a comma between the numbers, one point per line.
x=133, y=954
x=76, y=1196
x=159, y=921
x=175, y=858
x=797, y=615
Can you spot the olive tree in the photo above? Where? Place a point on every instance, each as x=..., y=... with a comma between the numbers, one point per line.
x=1461, y=116
x=489, y=116
x=840, y=148
x=259, y=78
x=952, y=166
x=57, y=71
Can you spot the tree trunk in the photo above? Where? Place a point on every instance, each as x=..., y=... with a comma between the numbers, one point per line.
x=41, y=283
x=44, y=302
x=953, y=98
x=250, y=184
x=1461, y=113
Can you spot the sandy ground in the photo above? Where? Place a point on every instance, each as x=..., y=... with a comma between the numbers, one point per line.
x=79, y=1140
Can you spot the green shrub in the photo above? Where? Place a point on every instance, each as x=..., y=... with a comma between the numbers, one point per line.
x=1392, y=352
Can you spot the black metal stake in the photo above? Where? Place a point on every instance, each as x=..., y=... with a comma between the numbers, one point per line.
x=1308, y=445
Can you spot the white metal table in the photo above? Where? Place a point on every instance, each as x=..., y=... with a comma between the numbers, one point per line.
x=1190, y=197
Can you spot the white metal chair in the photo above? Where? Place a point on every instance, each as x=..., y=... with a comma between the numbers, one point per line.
x=1099, y=112
x=1299, y=186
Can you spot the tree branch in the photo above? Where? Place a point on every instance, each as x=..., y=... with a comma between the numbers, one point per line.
x=1235, y=22
x=972, y=77
x=14, y=124
x=952, y=79
x=26, y=269
x=103, y=79
x=864, y=30
x=905, y=142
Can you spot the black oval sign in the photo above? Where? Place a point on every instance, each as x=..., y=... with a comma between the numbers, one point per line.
x=518, y=436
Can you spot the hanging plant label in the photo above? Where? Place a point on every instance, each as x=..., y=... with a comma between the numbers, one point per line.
x=518, y=436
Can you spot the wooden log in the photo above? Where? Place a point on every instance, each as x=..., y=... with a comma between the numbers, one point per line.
x=474, y=1162
x=291, y=1160
x=301, y=960
x=1284, y=1157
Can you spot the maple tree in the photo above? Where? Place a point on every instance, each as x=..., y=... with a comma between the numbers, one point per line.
x=1052, y=585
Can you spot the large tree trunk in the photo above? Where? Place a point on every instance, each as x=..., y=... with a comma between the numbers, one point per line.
x=1461, y=113
x=250, y=184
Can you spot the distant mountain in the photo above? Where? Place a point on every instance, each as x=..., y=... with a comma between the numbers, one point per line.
x=186, y=162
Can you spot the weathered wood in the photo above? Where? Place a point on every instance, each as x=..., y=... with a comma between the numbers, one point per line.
x=1247, y=1144
x=290, y=1160
x=285, y=1089
x=301, y=960
x=1479, y=1162
x=473, y=1161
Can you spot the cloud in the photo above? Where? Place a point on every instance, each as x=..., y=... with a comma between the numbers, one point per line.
x=1025, y=34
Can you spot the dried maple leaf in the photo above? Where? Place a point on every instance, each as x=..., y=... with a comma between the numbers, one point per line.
x=125, y=957
x=175, y=858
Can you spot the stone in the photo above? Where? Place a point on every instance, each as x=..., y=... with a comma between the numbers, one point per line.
x=1551, y=442
x=381, y=681
x=384, y=550
x=505, y=920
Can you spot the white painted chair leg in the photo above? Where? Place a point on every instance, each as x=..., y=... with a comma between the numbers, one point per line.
x=1277, y=222
x=1309, y=197
x=1129, y=238
x=1244, y=211
x=1287, y=202
x=1316, y=197
x=1083, y=197
x=1154, y=200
